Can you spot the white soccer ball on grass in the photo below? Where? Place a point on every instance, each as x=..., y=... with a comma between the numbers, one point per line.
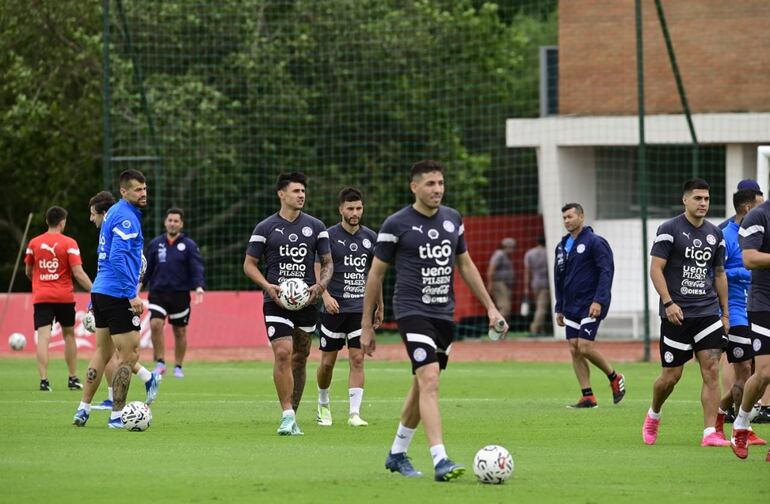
x=493, y=464
x=17, y=342
x=136, y=416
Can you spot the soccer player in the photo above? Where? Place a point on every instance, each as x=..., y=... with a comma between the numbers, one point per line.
x=740, y=352
x=755, y=244
x=687, y=270
x=288, y=242
x=352, y=248
x=583, y=274
x=116, y=305
x=742, y=186
x=98, y=206
x=51, y=262
x=425, y=242
x=174, y=268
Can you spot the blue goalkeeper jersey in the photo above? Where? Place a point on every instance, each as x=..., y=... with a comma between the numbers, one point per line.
x=120, y=251
x=738, y=277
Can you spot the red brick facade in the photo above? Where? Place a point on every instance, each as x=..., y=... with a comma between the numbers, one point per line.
x=723, y=51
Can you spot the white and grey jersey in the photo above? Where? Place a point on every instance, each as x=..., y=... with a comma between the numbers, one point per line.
x=691, y=254
x=755, y=234
x=289, y=248
x=423, y=250
x=352, y=257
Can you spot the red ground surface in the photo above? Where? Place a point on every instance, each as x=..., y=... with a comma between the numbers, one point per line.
x=520, y=350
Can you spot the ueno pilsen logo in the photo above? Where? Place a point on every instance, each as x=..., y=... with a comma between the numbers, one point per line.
x=296, y=253
x=440, y=253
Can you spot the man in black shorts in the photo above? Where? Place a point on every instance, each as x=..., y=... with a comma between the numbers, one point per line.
x=424, y=241
x=687, y=270
x=754, y=237
x=352, y=247
x=289, y=240
x=174, y=268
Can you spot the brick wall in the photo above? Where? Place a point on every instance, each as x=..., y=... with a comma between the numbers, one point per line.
x=723, y=51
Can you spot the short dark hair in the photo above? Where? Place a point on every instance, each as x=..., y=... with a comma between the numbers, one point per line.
x=176, y=210
x=350, y=194
x=541, y=240
x=426, y=166
x=693, y=184
x=102, y=201
x=54, y=215
x=128, y=175
x=744, y=197
x=284, y=179
x=569, y=206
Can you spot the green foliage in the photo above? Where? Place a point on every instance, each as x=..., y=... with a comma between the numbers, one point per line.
x=50, y=121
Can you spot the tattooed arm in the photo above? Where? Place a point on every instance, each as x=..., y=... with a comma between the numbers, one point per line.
x=327, y=268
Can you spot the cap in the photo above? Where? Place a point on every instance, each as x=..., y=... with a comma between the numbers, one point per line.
x=749, y=184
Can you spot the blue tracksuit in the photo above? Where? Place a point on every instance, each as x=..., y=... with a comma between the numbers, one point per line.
x=173, y=267
x=738, y=277
x=583, y=275
x=120, y=251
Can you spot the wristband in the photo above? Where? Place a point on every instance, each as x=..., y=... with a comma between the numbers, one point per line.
x=666, y=305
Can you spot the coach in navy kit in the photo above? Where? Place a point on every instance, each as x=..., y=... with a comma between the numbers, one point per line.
x=687, y=270
x=583, y=279
x=174, y=268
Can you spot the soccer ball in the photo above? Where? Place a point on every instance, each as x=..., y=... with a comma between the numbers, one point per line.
x=294, y=294
x=143, y=268
x=755, y=410
x=136, y=416
x=17, y=341
x=89, y=322
x=493, y=464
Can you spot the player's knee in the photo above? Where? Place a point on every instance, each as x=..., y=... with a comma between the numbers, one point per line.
x=282, y=355
x=428, y=382
x=356, y=361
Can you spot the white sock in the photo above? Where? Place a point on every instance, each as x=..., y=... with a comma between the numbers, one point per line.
x=323, y=396
x=438, y=452
x=742, y=420
x=109, y=393
x=143, y=374
x=115, y=414
x=653, y=415
x=289, y=412
x=720, y=411
x=356, y=396
x=86, y=406
x=404, y=436
x=709, y=430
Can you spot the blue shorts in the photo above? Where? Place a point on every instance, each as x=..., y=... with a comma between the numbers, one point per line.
x=585, y=328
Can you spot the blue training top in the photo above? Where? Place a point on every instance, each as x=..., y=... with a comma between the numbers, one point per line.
x=120, y=251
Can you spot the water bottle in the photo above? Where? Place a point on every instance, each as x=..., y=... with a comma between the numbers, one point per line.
x=496, y=331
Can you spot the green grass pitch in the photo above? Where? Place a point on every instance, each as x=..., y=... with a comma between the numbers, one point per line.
x=213, y=440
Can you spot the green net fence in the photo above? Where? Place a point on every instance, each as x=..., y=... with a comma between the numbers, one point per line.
x=528, y=103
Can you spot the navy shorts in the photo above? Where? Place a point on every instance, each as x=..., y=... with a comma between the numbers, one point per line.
x=174, y=305
x=338, y=329
x=760, y=332
x=427, y=340
x=678, y=344
x=281, y=322
x=584, y=329
x=114, y=313
x=739, y=344
x=46, y=313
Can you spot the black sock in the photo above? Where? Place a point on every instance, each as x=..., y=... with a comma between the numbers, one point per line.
x=612, y=375
x=161, y=361
x=587, y=392
x=178, y=366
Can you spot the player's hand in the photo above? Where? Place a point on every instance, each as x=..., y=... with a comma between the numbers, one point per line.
x=315, y=291
x=330, y=304
x=595, y=310
x=199, y=295
x=674, y=314
x=560, y=319
x=495, y=317
x=273, y=291
x=379, y=316
x=726, y=322
x=137, y=305
x=368, y=344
